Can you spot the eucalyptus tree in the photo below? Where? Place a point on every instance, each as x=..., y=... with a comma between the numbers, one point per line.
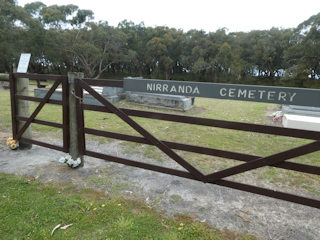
x=96, y=47
x=162, y=52
x=224, y=60
x=136, y=39
x=204, y=60
x=303, y=56
x=43, y=36
x=13, y=19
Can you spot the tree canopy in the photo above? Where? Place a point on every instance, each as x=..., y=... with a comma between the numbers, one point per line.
x=65, y=38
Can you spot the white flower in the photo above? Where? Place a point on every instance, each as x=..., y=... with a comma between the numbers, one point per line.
x=62, y=160
x=69, y=161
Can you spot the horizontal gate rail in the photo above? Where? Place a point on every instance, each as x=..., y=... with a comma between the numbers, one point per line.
x=17, y=135
x=249, y=127
x=104, y=82
x=270, y=193
x=226, y=183
x=35, y=76
x=299, y=167
x=35, y=99
x=43, y=144
x=41, y=122
x=174, y=145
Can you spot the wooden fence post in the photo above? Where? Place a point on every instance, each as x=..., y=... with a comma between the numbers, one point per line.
x=73, y=121
x=23, y=110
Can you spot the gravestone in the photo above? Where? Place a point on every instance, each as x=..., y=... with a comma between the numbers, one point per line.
x=301, y=117
x=161, y=100
x=106, y=92
x=112, y=91
x=301, y=110
x=177, y=102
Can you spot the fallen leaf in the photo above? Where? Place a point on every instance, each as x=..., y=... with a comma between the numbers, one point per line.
x=242, y=217
x=83, y=210
x=166, y=226
x=66, y=226
x=55, y=228
x=244, y=211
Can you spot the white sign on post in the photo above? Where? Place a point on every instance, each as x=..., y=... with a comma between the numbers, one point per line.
x=24, y=62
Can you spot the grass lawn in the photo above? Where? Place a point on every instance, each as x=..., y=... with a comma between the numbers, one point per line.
x=30, y=210
x=240, y=141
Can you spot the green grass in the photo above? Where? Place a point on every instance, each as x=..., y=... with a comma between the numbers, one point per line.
x=225, y=139
x=30, y=210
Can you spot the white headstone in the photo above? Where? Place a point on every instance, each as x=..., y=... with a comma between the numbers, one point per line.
x=24, y=62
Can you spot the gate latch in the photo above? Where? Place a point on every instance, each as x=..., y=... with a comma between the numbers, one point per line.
x=77, y=97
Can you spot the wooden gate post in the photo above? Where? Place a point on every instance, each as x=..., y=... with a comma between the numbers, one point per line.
x=23, y=110
x=73, y=122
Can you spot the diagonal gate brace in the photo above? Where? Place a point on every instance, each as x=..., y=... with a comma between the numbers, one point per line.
x=265, y=161
x=195, y=172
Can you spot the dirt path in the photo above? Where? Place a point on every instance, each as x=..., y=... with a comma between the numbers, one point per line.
x=222, y=207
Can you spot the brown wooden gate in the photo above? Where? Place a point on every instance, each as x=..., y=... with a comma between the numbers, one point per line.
x=251, y=162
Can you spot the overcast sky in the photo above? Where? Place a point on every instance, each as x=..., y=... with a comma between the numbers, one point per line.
x=209, y=15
